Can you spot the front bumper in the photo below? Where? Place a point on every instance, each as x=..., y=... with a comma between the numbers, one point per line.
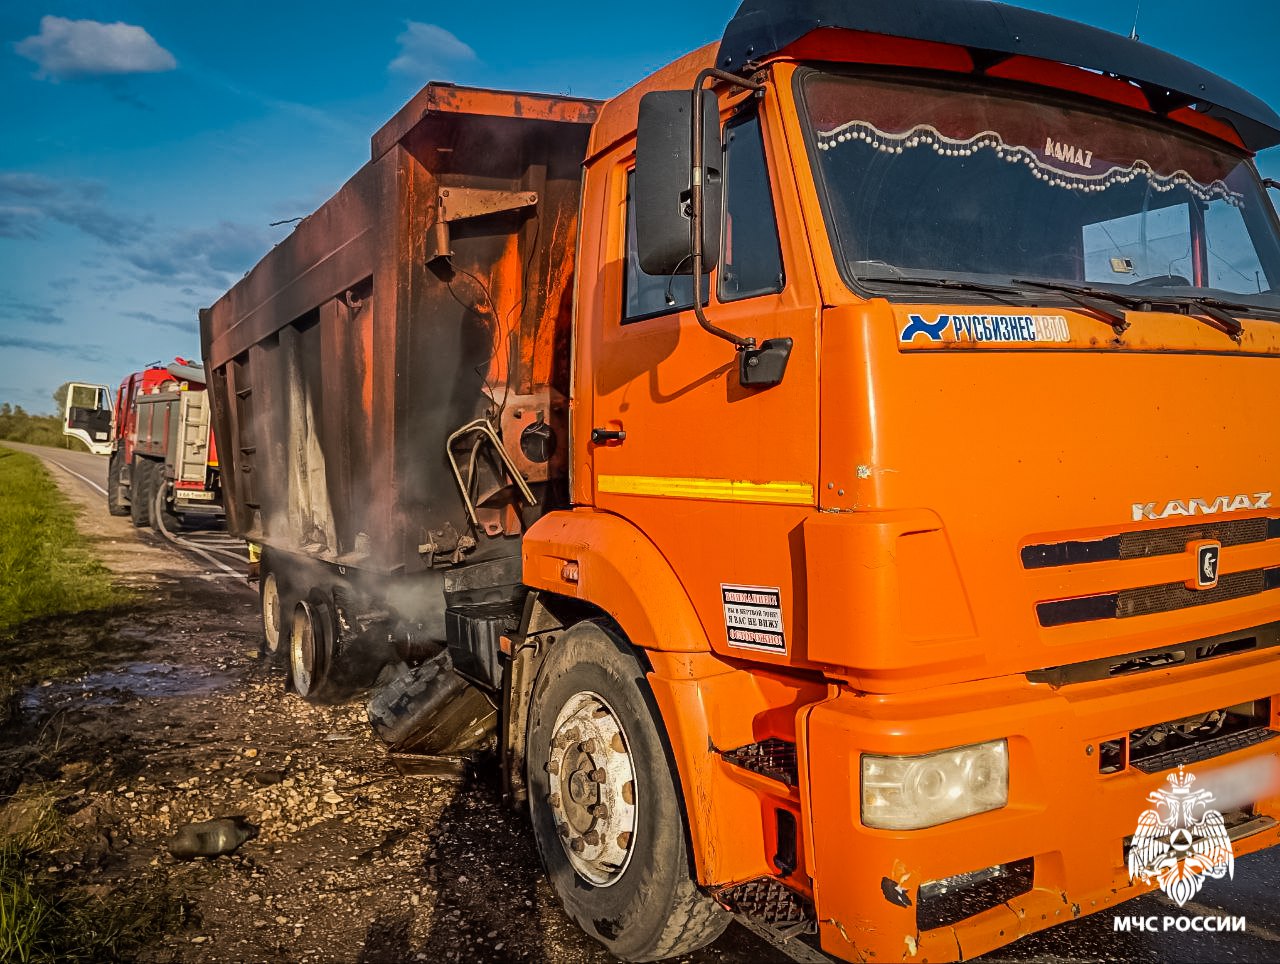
x=1063, y=814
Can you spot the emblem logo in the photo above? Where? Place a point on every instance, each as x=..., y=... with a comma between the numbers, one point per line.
x=1207, y=565
x=1223, y=503
x=917, y=325
x=1180, y=842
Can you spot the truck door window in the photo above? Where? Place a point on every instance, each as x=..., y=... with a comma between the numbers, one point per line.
x=1234, y=264
x=751, y=255
x=649, y=295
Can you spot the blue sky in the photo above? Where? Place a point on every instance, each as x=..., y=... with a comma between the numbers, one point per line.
x=148, y=144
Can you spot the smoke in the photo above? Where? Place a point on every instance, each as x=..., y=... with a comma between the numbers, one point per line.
x=1240, y=784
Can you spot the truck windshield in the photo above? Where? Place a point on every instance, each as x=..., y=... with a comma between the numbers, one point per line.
x=922, y=180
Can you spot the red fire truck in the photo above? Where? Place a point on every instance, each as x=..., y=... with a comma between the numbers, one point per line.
x=164, y=460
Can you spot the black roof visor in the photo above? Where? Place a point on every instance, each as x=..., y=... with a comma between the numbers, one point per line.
x=761, y=28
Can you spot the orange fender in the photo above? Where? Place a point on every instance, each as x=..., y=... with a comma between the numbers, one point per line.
x=603, y=559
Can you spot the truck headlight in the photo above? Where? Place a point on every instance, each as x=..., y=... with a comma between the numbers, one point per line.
x=913, y=792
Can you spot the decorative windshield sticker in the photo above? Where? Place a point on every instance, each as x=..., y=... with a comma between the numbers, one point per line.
x=1047, y=168
x=753, y=618
x=972, y=329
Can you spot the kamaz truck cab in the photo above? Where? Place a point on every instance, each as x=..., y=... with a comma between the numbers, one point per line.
x=845, y=457
x=954, y=472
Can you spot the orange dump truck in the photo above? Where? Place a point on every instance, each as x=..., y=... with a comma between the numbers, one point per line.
x=840, y=456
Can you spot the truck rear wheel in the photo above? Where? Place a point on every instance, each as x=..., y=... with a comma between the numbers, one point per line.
x=142, y=479
x=272, y=611
x=605, y=805
x=314, y=654
x=162, y=515
x=115, y=497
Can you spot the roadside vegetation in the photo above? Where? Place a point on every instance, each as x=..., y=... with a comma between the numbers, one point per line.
x=45, y=567
x=41, y=920
x=47, y=571
x=17, y=425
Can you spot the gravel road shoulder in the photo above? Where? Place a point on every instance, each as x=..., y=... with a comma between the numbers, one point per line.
x=353, y=862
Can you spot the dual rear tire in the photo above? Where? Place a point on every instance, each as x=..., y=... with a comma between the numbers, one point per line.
x=142, y=480
x=115, y=490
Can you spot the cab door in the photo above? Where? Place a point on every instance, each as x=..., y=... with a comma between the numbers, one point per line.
x=87, y=416
x=717, y=475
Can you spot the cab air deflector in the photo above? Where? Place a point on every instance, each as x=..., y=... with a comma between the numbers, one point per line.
x=761, y=28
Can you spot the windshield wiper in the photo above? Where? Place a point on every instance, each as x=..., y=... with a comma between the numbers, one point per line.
x=1202, y=309
x=1089, y=298
x=924, y=281
x=1214, y=316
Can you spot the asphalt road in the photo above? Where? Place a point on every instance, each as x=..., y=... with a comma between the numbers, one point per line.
x=90, y=469
x=1251, y=892
x=203, y=536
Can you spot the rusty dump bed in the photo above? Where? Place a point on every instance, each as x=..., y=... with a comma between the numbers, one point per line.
x=431, y=293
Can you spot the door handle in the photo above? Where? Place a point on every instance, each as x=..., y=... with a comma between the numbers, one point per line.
x=599, y=436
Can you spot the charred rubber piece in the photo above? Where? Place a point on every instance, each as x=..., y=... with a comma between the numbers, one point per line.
x=430, y=709
x=211, y=838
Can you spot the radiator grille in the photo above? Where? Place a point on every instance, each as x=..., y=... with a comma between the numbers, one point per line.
x=1149, y=542
x=1175, y=595
x=1169, y=542
x=1146, y=600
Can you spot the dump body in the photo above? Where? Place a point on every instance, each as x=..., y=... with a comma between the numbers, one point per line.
x=346, y=359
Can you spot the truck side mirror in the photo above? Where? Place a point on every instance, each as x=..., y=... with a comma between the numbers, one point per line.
x=664, y=179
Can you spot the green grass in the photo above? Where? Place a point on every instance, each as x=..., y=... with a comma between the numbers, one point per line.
x=46, y=571
x=45, y=566
x=47, y=575
x=43, y=920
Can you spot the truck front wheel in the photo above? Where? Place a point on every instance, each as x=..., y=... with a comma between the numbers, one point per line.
x=605, y=805
x=115, y=497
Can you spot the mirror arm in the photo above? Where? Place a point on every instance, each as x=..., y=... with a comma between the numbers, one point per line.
x=695, y=201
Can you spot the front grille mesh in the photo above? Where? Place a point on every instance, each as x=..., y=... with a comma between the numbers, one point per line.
x=1175, y=595
x=1207, y=750
x=773, y=758
x=1168, y=542
x=773, y=903
x=1149, y=542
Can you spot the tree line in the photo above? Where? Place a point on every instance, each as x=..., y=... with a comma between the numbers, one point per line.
x=19, y=425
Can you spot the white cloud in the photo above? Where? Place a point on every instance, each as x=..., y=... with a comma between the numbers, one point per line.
x=427, y=50
x=66, y=49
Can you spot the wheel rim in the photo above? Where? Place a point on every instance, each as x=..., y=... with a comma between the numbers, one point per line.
x=593, y=789
x=271, y=611
x=302, y=648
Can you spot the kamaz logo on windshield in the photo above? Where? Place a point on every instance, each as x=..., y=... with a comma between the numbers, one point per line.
x=1223, y=503
x=988, y=328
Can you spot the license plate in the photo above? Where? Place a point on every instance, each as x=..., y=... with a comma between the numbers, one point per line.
x=185, y=496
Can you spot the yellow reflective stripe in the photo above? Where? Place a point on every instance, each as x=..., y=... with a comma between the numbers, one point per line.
x=725, y=490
